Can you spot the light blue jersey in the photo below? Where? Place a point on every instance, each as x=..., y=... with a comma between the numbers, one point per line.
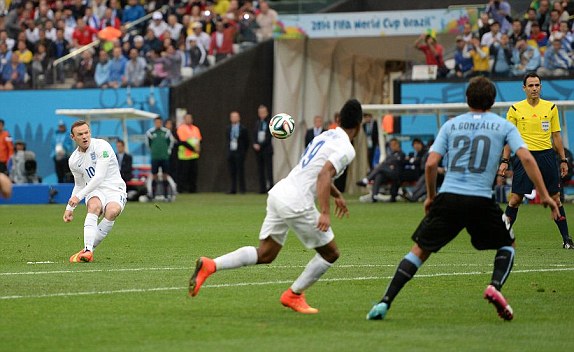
x=472, y=144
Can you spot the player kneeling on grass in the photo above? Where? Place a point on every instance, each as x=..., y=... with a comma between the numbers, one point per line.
x=474, y=142
x=291, y=204
x=97, y=178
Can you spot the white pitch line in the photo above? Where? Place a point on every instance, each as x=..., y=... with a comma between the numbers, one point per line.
x=40, y=263
x=343, y=266
x=239, y=284
x=91, y=271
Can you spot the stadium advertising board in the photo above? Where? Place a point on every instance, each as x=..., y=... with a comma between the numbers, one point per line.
x=374, y=24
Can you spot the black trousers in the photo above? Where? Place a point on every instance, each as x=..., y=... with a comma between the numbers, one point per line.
x=384, y=175
x=187, y=176
x=62, y=170
x=236, y=162
x=265, y=170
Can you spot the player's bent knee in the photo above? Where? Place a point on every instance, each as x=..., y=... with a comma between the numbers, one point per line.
x=332, y=256
x=94, y=209
x=329, y=253
x=112, y=211
x=515, y=200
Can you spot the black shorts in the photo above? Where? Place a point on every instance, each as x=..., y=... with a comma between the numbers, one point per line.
x=156, y=164
x=451, y=213
x=546, y=160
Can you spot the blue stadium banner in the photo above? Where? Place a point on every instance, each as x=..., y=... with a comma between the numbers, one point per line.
x=375, y=24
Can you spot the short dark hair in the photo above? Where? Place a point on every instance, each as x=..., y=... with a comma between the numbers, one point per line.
x=121, y=141
x=2, y=122
x=351, y=114
x=417, y=140
x=77, y=124
x=480, y=93
x=158, y=118
x=530, y=75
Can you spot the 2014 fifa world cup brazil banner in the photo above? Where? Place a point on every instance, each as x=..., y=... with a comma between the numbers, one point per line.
x=374, y=24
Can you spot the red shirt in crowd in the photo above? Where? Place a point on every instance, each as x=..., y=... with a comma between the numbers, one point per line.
x=85, y=35
x=433, y=58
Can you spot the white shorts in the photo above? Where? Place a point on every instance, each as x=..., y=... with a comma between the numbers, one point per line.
x=280, y=217
x=107, y=197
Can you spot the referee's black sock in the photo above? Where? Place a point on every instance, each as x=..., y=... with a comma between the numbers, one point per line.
x=512, y=214
x=502, y=265
x=562, y=224
x=406, y=270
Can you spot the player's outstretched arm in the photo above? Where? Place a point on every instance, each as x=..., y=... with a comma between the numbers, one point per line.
x=340, y=202
x=559, y=148
x=323, y=195
x=505, y=160
x=531, y=168
x=431, y=168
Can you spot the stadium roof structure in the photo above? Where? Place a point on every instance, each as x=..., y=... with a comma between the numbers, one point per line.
x=122, y=114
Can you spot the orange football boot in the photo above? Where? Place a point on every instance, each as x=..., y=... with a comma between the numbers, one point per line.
x=204, y=267
x=297, y=302
x=82, y=256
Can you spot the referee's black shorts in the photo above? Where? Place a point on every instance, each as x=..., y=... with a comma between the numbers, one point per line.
x=546, y=160
x=451, y=213
x=156, y=164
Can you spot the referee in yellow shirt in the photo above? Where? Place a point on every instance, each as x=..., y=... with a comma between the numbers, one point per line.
x=538, y=123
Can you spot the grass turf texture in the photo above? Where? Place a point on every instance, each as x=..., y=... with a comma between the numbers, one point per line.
x=133, y=296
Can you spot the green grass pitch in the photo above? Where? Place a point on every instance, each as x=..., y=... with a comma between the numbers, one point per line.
x=133, y=297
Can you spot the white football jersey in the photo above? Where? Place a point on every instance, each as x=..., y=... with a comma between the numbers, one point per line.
x=299, y=188
x=97, y=168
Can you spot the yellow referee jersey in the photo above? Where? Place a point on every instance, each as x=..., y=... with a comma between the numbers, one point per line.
x=535, y=124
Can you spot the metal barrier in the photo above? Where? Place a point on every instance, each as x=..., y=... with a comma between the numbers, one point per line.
x=96, y=42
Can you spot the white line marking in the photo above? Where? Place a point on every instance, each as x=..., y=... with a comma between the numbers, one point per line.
x=363, y=278
x=343, y=266
x=40, y=262
x=91, y=271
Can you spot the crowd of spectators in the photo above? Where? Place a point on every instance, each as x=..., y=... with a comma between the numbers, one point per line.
x=540, y=40
x=151, y=45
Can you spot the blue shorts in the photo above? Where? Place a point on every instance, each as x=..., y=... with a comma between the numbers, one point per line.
x=156, y=164
x=546, y=160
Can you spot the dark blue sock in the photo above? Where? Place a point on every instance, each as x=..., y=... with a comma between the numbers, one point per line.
x=502, y=265
x=562, y=224
x=511, y=213
x=406, y=270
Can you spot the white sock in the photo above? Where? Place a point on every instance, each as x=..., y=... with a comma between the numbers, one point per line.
x=172, y=185
x=313, y=271
x=104, y=227
x=241, y=257
x=90, y=229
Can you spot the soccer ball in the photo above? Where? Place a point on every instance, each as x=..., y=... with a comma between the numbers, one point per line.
x=282, y=126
